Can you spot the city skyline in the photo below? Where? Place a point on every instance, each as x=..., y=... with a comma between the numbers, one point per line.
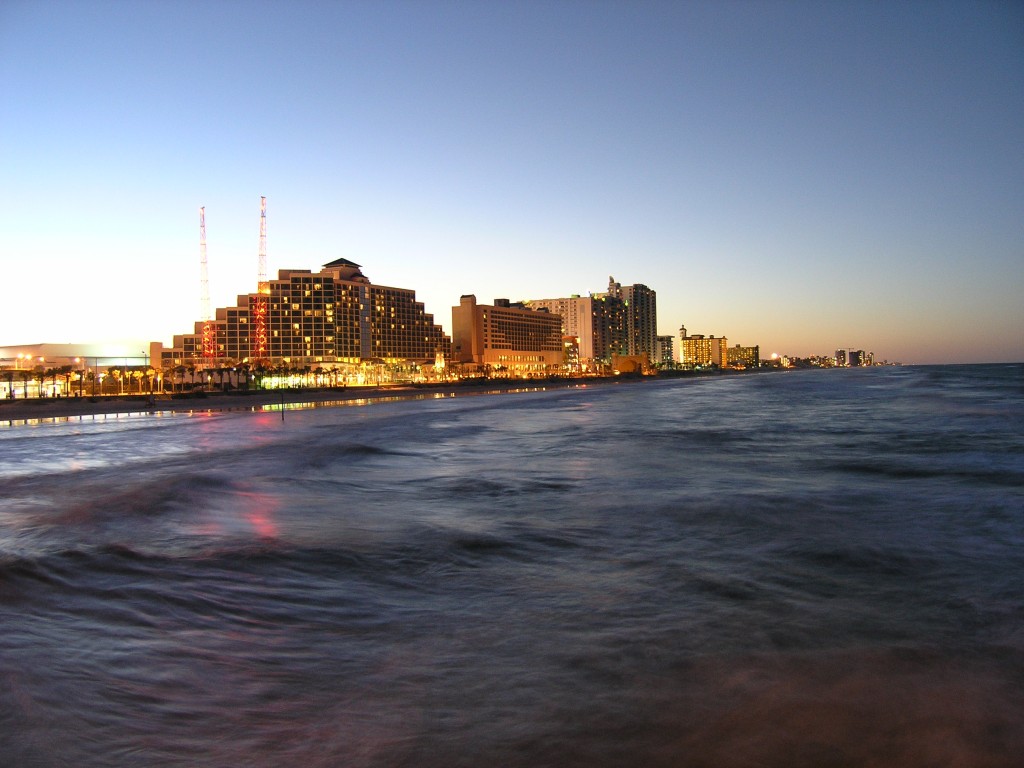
x=800, y=177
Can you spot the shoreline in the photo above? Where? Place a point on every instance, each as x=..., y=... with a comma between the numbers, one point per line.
x=33, y=411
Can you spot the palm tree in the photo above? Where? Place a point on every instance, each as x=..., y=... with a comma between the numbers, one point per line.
x=26, y=377
x=259, y=370
x=39, y=376
x=66, y=371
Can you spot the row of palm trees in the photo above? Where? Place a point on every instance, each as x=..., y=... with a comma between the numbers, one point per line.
x=48, y=382
x=70, y=381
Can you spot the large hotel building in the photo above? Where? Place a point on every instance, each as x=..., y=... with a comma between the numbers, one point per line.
x=334, y=316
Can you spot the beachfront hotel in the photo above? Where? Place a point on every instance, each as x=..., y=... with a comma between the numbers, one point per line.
x=744, y=357
x=332, y=318
x=506, y=337
x=699, y=351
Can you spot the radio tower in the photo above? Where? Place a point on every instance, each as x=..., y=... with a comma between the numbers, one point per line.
x=209, y=329
x=259, y=338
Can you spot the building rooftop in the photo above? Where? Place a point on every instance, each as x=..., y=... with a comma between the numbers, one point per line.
x=346, y=270
x=341, y=263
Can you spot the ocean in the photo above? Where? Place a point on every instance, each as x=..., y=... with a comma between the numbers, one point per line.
x=799, y=568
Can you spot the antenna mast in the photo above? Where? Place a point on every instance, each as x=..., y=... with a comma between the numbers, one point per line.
x=263, y=287
x=259, y=303
x=209, y=330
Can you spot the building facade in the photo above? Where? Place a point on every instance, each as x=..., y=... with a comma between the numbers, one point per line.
x=640, y=307
x=664, y=350
x=699, y=351
x=620, y=322
x=70, y=370
x=577, y=313
x=334, y=316
x=597, y=322
x=507, y=337
x=744, y=357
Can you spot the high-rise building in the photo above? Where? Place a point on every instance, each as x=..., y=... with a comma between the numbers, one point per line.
x=622, y=321
x=328, y=317
x=641, y=317
x=609, y=327
x=578, y=320
x=506, y=336
x=598, y=323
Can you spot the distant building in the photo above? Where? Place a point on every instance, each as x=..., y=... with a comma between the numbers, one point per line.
x=578, y=321
x=622, y=321
x=334, y=316
x=860, y=358
x=609, y=327
x=841, y=358
x=744, y=357
x=664, y=350
x=571, y=354
x=506, y=336
x=641, y=317
x=597, y=322
x=699, y=351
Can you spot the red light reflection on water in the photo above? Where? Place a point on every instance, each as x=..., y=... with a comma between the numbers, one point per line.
x=241, y=512
x=259, y=511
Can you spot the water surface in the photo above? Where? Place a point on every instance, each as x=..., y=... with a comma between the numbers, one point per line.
x=786, y=569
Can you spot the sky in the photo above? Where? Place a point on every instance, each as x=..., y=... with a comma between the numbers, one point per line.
x=805, y=176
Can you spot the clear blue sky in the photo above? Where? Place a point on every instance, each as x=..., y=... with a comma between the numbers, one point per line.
x=799, y=175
